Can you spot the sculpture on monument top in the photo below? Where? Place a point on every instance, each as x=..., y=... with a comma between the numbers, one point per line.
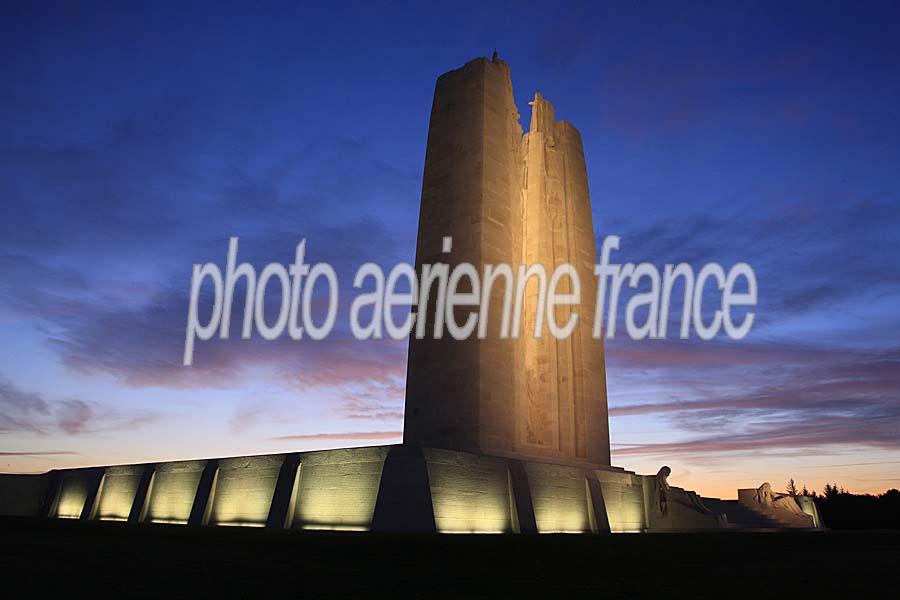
x=542, y=116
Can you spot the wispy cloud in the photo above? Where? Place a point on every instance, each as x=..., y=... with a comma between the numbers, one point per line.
x=20, y=410
x=27, y=412
x=39, y=453
x=759, y=396
x=349, y=435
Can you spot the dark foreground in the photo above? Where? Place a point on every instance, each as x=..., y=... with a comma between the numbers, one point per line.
x=75, y=558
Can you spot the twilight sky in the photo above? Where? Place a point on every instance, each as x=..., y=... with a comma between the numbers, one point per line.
x=136, y=140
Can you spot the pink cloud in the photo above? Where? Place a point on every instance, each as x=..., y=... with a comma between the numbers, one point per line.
x=350, y=435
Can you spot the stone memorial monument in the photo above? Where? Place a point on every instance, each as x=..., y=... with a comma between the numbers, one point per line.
x=500, y=435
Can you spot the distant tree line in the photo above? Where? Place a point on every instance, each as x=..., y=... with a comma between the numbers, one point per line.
x=841, y=509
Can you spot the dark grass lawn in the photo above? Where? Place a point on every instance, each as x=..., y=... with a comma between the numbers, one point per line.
x=72, y=559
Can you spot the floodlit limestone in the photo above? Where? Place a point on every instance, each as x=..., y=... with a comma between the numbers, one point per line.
x=120, y=485
x=506, y=198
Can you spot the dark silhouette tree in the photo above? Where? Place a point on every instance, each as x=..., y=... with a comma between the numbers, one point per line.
x=792, y=488
x=841, y=509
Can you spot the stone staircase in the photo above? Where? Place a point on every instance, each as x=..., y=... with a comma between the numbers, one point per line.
x=741, y=516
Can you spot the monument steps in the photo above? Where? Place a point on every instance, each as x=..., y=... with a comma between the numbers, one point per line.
x=740, y=516
x=784, y=518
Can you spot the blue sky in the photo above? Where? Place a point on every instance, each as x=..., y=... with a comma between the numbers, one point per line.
x=138, y=138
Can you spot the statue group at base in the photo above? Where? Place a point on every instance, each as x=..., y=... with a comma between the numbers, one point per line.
x=674, y=508
x=767, y=497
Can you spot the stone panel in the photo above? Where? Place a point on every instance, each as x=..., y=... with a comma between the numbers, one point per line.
x=469, y=492
x=624, y=498
x=172, y=491
x=559, y=496
x=117, y=496
x=244, y=489
x=338, y=488
x=73, y=492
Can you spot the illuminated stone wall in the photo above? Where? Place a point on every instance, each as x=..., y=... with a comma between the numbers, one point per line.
x=559, y=497
x=244, y=489
x=172, y=491
x=581, y=357
x=461, y=393
x=623, y=496
x=337, y=489
x=808, y=506
x=561, y=407
x=470, y=493
x=505, y=198
x=117, y=495
x=73, y=492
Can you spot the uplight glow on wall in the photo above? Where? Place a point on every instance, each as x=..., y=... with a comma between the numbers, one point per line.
x=338, y=489
x=244, y=490
x=172, y=494
x=117, y=496
x=469, y=494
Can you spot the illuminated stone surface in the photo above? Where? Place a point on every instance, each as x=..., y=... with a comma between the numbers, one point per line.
x=808, y=506
x=469, y=492
x=117, y=496
x=559, y=497
x=73, y=492
x=623, y=495
x=172, y=491
x=799, y=518
x=244, y=489
x=461, y=394
x=505, y=198
x=338, y=488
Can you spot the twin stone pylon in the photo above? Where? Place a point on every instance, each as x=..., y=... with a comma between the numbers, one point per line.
x=505, y=197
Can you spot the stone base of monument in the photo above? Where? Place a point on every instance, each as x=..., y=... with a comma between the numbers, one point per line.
x=381, y=488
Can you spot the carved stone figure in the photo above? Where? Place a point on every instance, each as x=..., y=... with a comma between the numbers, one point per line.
x=662, y=489
x=767, y=497
x=764, y=494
